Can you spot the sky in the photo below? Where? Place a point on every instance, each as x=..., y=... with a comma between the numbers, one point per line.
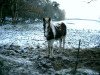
x=81, y=8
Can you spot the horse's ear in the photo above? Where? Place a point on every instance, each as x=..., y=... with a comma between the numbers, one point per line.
x=49, y=19
x=43, y=19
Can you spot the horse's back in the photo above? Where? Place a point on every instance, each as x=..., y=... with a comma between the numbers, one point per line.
x=60, y=30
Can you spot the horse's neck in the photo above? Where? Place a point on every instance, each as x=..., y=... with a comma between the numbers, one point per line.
x=53, y=29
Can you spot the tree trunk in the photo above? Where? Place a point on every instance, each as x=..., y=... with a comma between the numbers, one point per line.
x=14, y=12
x=1, y=16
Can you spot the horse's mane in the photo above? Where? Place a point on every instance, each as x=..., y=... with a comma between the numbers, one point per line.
x=53, y=28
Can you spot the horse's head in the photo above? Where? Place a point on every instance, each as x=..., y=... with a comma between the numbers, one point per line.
x=46, y=25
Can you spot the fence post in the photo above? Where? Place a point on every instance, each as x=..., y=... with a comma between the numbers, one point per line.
x=77, y=59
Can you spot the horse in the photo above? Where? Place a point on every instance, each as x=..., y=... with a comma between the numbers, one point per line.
x=52, y=33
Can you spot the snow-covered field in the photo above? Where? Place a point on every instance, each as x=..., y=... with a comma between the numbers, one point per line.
x=31, y=35
x=32, y=61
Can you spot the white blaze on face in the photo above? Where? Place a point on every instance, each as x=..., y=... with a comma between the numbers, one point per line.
x=46, y=28
x=46, y=19
x=52, y=27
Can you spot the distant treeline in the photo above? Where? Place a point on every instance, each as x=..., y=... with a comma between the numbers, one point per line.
x=21, y=10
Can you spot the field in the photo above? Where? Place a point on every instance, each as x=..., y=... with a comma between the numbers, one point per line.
x=23, y=50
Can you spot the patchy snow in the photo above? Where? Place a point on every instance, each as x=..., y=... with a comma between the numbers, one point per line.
x=80, y=24
x=32, y=34
x=88, y=71
x=17, y=60
x=82, y=70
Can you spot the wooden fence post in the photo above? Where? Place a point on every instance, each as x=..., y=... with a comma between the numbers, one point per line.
x=77, y=59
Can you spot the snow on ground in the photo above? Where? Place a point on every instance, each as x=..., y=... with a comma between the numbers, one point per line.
x=14, y=59
x=32, y=34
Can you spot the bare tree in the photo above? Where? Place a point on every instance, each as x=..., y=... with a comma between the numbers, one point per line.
x=14, y=5
x=91, y=1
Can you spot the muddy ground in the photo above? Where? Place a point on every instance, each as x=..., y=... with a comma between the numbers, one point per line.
x=29, y=61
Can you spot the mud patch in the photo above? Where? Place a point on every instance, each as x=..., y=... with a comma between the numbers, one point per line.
x=15, y=60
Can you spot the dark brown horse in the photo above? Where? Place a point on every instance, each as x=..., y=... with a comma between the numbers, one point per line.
x=53, y=33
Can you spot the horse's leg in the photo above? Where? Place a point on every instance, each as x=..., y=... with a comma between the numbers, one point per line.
x=48, y=51
x=52, y=41
x=50, y=46
x=60, y=41
x=63, y=39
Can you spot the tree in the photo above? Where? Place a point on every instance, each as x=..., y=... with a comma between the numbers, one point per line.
x=90, y=1
x=29, y=9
